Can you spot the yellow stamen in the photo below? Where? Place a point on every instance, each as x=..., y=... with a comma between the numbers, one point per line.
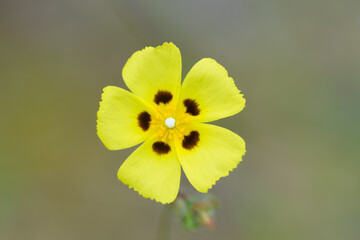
x=160, y=133
x=171, y=132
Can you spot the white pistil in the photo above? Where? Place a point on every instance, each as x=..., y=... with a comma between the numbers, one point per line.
x=170, y=122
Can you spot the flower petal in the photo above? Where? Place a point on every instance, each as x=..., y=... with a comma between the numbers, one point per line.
x=208, y=153
x=209, y=91
x=123, y=119
x=152, y=70
x=154, y=175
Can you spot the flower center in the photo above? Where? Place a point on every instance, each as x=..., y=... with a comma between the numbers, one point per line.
x=170, y=122
x=167, y=127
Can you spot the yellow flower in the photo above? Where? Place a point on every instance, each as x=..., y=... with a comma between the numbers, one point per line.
x=169, y=117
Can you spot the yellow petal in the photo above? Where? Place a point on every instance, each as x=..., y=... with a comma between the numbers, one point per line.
x=214, y=153
x=153, y=175
x=212, y=91
x=118, y=125
x=152, y=70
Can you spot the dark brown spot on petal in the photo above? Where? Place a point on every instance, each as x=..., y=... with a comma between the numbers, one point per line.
x=163, y=97
x=192, y=107
x=144, y=119
x=161, y=148
x=191, y=140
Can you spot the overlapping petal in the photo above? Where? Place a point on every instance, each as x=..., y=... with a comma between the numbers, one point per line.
x=155, y=176
x=215, y=93
x=117, y=123
x=217, y=152
x=154, y=69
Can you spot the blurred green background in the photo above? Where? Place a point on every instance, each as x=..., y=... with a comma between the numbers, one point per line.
x=297, y=63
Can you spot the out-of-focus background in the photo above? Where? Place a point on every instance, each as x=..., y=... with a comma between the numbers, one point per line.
x=297, y=63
